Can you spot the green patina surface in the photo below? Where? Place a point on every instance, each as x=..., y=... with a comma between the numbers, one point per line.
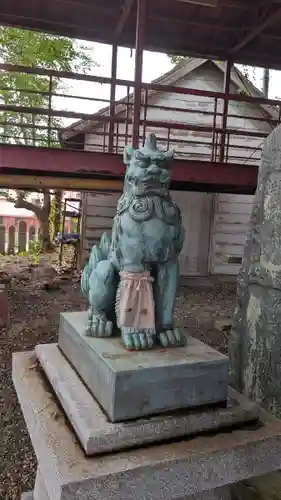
x=147, y=236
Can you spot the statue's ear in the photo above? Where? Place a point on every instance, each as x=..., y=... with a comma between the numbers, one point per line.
x=169, y=155
x=127, y=154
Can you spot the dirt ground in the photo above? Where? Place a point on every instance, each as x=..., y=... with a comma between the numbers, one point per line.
x=34, y=318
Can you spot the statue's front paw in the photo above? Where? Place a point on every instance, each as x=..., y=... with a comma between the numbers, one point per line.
x=137, y=340
x=172, y=338
x=99, y=327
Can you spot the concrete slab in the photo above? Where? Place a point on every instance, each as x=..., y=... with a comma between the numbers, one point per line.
x=40, y=492
x=169, y=471
x=136, y=384
x=96, y=434
x=222, y=493
x=27, y=496
x=217, y=494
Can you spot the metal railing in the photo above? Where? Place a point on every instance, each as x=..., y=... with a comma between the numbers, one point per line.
x=188, y=120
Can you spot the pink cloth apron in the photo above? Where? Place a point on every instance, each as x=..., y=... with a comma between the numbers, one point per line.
x=136, y=301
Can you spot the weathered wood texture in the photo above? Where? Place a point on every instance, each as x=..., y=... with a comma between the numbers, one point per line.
x=99, y=211
x=231, y=219
x=193, y=144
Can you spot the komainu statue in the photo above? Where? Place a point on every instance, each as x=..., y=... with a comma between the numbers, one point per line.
x=130, y=282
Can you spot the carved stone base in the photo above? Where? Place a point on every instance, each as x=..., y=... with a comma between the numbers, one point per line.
x=217, y=494
x=136, y=384
x=40, y=491
x=172, y=471
x=96, y=434
x=28, y=495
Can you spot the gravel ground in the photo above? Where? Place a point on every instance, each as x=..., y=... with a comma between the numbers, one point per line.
x=34, y=318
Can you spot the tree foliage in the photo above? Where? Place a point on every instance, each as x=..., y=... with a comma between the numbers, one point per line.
x=177, y=59
x=36, y=50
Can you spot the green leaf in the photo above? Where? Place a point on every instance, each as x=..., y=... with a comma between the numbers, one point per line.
x=34, y=49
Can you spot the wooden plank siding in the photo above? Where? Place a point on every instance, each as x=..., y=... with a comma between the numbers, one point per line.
x=97, y=218
x=229, y=232
x=206, y=77
x=99, y=211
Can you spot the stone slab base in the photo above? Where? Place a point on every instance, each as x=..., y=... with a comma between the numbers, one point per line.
x=217, y=494
x=169, y=471
x=96, y=434
x=136, y=384
x=27, y=496
x=40, y=492
x=267, y=487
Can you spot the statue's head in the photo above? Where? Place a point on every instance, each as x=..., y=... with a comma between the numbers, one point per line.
x=148, y=168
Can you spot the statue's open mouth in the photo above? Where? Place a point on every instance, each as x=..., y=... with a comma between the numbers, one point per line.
x=151, y=184
x=152, y=180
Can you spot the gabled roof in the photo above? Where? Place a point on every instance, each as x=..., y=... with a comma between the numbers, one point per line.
x=170, y=78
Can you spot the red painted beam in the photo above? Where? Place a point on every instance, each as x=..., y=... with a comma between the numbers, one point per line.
x=61, y=162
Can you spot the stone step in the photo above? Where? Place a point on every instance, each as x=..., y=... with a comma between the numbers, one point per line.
x=96, y=434
x=170, y=471
x=27, y=496
x=136, y=384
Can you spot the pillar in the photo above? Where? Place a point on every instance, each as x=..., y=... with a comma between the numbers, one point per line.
x=226, y=89
x=27, y=237
x=112, y=97
x=16, y=238
x=140, y=34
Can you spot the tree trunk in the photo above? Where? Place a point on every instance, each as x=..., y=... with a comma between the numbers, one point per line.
x=45, y=223
x=42, y=214
x=45, y=235
x=57, y=210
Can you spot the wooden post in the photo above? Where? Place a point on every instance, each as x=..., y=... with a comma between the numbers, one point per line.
x=227, y=81
x=4, y=306
x=266, y=77
x=112, y=97
x=140, y=34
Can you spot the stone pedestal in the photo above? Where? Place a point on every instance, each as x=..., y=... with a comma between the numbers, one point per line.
x=40, y=491
x=27, y=496
x=97, y=435
x=195, y=468
x=217, y=494
x=134, y=384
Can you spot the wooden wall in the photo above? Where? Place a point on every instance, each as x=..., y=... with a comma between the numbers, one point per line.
x=216, y=225
x=231, y=218
x=206, y=77
x=99, y=210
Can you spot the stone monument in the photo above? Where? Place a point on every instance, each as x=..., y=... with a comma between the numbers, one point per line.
x=120, y=407
x=255, y=341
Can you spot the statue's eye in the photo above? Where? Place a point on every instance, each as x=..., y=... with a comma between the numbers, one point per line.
x=139, y=155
